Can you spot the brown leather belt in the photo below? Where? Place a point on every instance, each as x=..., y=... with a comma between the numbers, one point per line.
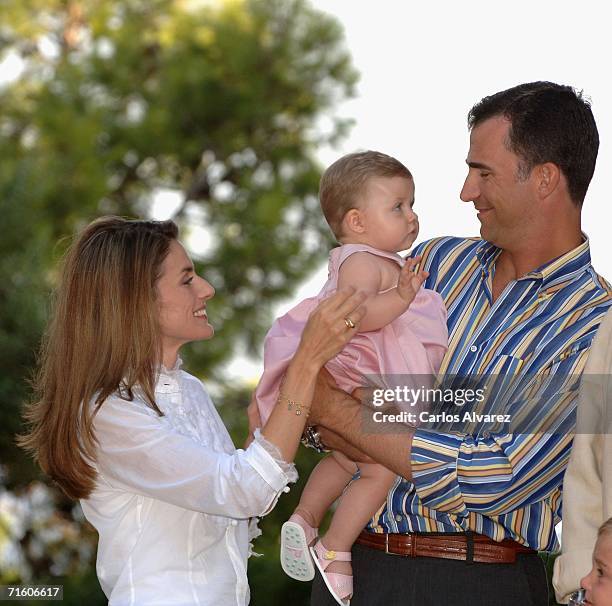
x=467, y=547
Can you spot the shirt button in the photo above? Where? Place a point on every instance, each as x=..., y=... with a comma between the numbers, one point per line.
x=234, y=523
x=286, y=489
x=473, y=348
x=398, y=518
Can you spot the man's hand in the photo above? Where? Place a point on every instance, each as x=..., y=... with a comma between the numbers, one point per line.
x=328, y=405
x=365, y=395
x=326, y=401
x=335, y=442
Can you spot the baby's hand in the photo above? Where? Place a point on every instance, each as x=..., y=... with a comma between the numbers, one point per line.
x=409, y=282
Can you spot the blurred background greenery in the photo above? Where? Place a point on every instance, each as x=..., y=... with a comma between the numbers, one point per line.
x=114, y=106
x=121, y=107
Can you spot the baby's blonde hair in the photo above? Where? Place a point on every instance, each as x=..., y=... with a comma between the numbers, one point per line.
x=343, y=182
x=605, y=528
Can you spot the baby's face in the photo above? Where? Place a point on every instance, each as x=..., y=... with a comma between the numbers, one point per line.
x=386, y=206
x=598, y=583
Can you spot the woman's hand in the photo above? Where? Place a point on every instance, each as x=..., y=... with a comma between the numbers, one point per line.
x=331, y=326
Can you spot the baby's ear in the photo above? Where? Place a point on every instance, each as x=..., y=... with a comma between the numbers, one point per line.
x=353, y=221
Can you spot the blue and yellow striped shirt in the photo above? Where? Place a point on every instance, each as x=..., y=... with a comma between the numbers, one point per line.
x=503, y=485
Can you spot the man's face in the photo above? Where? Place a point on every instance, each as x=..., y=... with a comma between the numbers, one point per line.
x=506, y=205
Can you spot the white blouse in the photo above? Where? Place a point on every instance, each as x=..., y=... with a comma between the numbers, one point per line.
x=174, y=498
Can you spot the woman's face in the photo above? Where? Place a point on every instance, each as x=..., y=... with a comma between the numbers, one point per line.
x=182, y=297
x=598, y=583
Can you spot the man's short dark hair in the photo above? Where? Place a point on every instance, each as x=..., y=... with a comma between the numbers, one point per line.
x=549, y=123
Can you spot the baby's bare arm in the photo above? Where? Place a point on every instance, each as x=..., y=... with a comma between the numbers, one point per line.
x=371, y=274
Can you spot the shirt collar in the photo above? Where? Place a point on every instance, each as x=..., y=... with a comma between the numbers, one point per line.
x=168, y=379
x=572, y=263
x=487, y=254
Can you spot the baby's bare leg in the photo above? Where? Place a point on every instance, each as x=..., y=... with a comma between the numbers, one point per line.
x=361, y=500
x=325, y=484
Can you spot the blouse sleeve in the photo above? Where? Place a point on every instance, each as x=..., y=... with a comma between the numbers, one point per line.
x=141, y=453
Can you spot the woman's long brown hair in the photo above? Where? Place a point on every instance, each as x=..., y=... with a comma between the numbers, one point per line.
x=102, y=337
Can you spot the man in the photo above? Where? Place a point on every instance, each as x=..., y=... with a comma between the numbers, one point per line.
x=522, y=301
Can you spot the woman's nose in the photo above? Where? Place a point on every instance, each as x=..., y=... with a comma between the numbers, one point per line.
x=206, y=290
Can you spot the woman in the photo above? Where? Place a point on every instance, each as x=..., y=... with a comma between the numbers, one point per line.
x=118, y=425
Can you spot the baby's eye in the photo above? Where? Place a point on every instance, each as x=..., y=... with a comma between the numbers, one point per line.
x=398, y=206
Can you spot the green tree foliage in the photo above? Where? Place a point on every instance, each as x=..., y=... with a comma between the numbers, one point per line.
x=223, y=103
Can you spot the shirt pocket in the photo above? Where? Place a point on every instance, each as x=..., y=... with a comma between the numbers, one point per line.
x=507, y=365
x=549, y=398
x=567, y=362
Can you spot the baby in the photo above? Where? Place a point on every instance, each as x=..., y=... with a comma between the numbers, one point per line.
x=598, y=583
x=367, y=200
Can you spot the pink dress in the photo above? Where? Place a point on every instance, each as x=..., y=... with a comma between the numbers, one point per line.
x=412, y=345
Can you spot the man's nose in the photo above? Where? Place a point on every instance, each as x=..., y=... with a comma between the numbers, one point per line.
x=470, y=190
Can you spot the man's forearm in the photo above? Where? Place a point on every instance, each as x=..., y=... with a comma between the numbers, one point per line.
x=391, y=448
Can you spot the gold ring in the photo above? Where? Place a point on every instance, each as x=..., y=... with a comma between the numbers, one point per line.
x=349, y=323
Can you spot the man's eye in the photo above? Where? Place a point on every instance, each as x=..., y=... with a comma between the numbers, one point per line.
x=484, y=175
x=189, y=281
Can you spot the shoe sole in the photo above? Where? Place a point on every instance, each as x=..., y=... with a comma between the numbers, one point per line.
x=294, y=554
